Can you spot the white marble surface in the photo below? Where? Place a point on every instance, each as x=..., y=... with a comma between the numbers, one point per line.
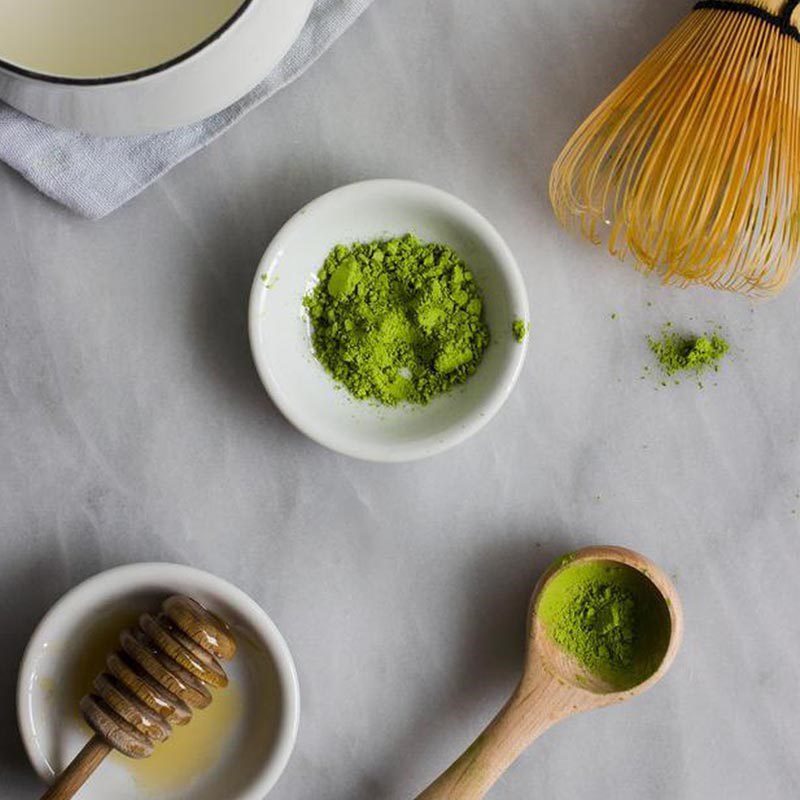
x=133, y=427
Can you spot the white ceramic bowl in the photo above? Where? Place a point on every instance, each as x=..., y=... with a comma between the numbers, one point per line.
x=68, y=648
x=280, y=333
x=187, y=87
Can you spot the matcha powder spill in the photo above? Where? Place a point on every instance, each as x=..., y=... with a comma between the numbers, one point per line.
x=687, y=354
x=397, y=321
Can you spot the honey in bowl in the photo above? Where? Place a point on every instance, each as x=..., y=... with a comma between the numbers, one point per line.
x=197, y=756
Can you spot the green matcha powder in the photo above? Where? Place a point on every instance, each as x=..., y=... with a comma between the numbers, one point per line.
x=678, y=353
x=398, y=320
x=519, y=330
x=610, y=618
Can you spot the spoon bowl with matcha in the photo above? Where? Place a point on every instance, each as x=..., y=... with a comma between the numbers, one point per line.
x=604, y=625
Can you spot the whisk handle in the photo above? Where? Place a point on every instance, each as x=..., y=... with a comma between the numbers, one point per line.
x=78, y=772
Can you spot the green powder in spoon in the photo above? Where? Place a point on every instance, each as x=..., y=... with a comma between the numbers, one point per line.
x=610, y=618
x=397, y=321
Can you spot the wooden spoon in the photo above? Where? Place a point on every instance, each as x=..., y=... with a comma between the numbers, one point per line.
x=553, y=686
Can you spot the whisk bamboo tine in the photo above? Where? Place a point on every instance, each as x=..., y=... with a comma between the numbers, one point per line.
x=692, y=164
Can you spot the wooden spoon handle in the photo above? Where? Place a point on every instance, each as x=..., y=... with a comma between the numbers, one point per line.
x=78, y=772
x=538, y=702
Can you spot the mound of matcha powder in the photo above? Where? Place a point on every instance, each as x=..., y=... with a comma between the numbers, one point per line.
x=677, y=353
x=398, y=320
x=599, y=625
x=610, y=618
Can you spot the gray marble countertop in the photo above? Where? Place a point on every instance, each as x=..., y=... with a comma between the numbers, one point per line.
x=133, y=427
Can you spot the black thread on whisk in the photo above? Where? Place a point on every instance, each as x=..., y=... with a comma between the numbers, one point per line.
x=782, y=21
x=787, y=15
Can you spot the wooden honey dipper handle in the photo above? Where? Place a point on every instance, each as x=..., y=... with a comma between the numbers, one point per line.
x=159, y=674
x=80, y=770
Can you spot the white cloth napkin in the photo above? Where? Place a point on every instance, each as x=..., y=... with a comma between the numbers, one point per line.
x=94, y=176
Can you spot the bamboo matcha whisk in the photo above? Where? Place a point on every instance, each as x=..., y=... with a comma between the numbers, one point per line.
x=692, y=165
x=161, y=671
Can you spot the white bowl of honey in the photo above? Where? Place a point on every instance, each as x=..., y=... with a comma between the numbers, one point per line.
x=235, y=749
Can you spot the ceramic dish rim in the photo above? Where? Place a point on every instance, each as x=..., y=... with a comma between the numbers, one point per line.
x=503, y=261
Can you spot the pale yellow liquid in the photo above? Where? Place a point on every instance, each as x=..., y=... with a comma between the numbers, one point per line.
x=103, y=38
x=190, y=751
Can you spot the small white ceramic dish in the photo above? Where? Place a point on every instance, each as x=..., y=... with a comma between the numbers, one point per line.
x=191, y=85
x=280, y=333
x=68, y=648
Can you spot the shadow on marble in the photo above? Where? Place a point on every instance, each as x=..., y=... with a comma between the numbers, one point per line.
x=32, y=586
x=498, y=585
x=219, y=326
x=219, y=307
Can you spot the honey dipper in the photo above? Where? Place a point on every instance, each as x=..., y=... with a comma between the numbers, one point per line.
x=161, y=671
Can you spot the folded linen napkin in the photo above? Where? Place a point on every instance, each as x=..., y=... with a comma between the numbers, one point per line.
x=94, y=176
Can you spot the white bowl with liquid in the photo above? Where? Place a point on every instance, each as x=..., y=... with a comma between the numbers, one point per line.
x=139, y=66
x=236, y=749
